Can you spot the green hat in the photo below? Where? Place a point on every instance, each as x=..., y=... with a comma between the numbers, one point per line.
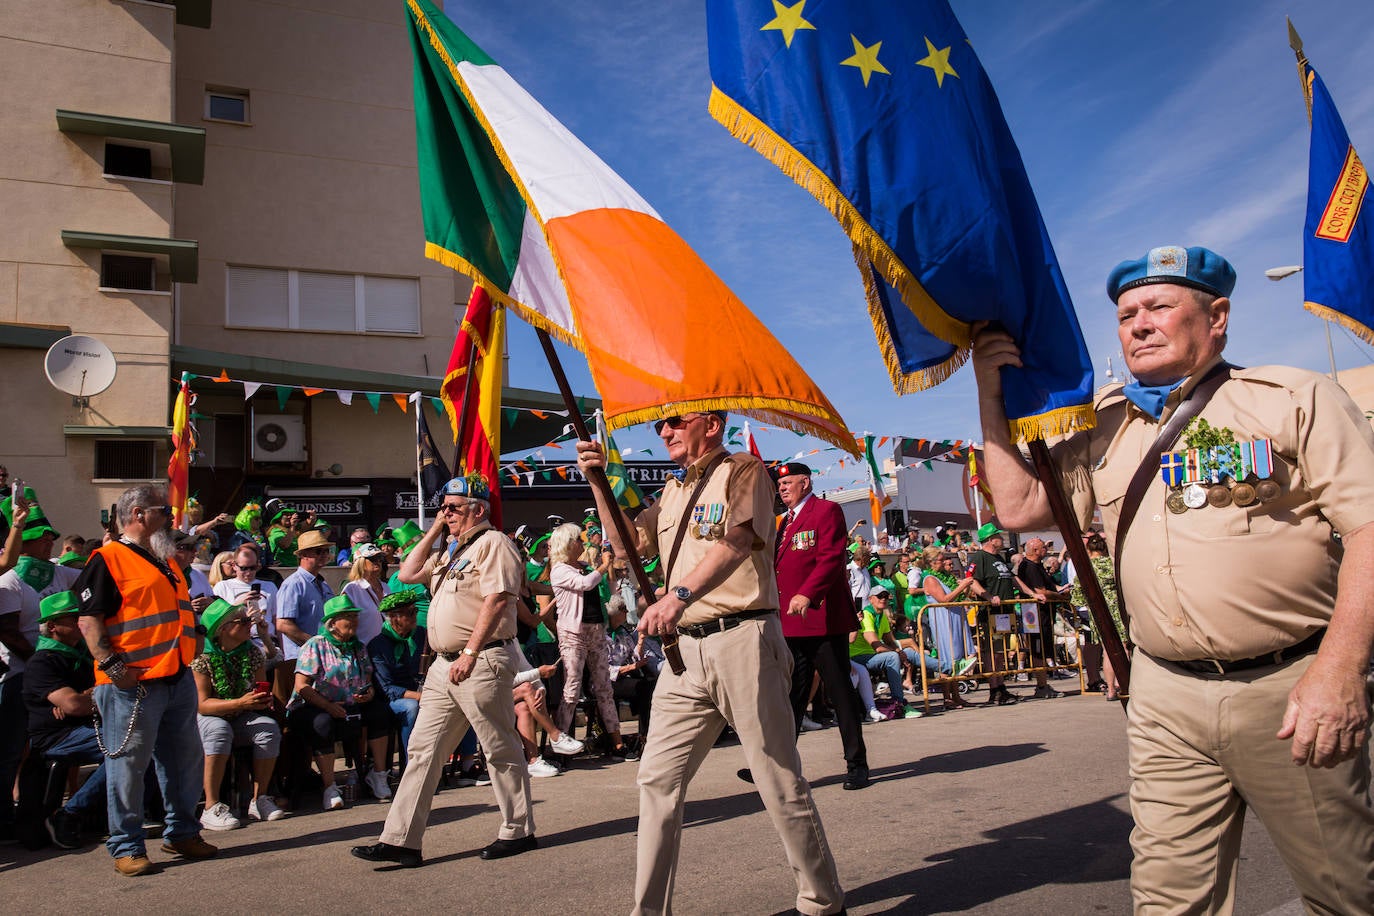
x=651, y=565
x=876, y=561
x=214, y=615
x=853, y=547
x=72, y=558
x=36, y=525
x=408, y=533
x=340, y=604
x=988, y=532
x=404, y=600
x=57, y=605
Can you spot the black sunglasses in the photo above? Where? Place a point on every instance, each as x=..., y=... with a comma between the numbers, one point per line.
x=674, y=422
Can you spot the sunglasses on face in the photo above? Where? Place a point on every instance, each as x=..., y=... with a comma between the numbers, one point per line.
x=314, y=552
x=165, y=510
x=237, y=621
x=673, y=422
x=246, y=568
x=451, y=508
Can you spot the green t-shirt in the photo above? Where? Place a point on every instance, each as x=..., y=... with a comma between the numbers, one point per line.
x=873, y=622
x=994, y=574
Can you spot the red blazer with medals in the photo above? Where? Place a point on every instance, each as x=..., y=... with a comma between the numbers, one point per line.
x=811, y=561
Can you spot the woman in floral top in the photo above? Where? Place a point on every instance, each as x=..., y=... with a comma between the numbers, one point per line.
x=1106, y=577
x=333, y=699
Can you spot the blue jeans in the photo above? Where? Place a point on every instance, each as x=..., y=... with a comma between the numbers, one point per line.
x=166, y=734
x=79, y=744
x=890, y=666
x=405, y=712
x=934, y=667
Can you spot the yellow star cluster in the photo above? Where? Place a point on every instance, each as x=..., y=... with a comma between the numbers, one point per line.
x=790, y=19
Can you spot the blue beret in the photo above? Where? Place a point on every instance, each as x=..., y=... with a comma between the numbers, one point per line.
x=473, y=486
x=1199, y=268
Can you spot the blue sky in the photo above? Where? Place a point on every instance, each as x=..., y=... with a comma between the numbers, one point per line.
x=1141, y=124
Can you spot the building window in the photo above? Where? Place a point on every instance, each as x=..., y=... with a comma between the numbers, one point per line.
x=226, y=105
x=258, y=297
x=125, y=459
x=128, y=161
x=123, y=271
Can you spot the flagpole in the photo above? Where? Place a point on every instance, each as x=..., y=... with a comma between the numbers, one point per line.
x=1082, y=564
x=419, y=466
x=597, y=476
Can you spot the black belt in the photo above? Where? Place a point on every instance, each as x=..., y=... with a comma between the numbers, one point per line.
x=721, y=624
x=454, y=656
x=1217, y=666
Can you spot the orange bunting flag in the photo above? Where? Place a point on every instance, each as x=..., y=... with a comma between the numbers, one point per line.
x=222, y=377
x=311, y=392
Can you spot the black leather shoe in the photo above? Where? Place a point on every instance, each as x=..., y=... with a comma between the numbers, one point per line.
x=857, y=778
x=502, y=849
x=745, y=774
x=385, y=852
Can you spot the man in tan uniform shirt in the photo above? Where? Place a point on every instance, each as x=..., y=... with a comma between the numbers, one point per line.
x=471, y=629
x=721, y=598
x=1253, y=627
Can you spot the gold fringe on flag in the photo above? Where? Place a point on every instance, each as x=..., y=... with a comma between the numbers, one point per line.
x=1359, y=329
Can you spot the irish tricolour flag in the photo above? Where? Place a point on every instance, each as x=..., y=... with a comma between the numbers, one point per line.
x=512, y=199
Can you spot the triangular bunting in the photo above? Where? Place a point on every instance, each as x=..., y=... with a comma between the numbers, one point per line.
x=345, y=398
x=401, y=402
x=283, y=395
x=311, y=392
x=222, y=377
x=374, y=399
x=250, y=389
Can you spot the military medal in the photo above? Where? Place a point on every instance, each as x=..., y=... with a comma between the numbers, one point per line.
x=1194, y=496
x=1267, y=491
x=1219, y=495
x=1175, y=501
x=1243, y=494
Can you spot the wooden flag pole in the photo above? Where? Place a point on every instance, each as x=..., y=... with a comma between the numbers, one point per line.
x=597, y=476
x=1067, y=522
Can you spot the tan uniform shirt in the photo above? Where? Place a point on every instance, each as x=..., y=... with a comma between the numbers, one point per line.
x=737, y=493
x=1232, y=582
x=487, y=564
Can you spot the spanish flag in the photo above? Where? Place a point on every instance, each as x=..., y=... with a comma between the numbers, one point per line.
x=183, y=440
x=481, y=340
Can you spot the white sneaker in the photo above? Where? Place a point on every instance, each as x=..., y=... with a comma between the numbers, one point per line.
x=264, y=809
x=333, y=798
x=219, y=817
x=809, y=725
x=567, y=745
x=875, y=716
x=541, y=768
x=376, y=781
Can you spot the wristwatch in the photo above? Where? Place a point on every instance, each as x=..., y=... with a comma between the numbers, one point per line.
x=468, y=652
x=683, y=593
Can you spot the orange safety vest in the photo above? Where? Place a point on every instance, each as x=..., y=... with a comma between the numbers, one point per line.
x=155, y=627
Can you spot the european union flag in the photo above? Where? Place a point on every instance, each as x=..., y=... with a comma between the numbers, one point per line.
x=1338, y=240
x=883, y=112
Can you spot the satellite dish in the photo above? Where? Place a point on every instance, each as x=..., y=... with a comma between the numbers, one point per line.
x=80, y=366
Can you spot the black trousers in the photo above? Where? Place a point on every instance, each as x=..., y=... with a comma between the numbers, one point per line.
x=830, y=656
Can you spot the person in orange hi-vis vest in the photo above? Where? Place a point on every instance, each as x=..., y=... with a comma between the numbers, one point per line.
x=137, y=619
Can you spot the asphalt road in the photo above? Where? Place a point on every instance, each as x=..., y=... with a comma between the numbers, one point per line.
x=1016, y=810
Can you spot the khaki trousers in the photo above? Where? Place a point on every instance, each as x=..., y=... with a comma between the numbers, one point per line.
x=741, y=677
x=1202, y=749
x=483, y=701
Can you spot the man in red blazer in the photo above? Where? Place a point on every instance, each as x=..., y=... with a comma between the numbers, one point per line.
x=817, y=610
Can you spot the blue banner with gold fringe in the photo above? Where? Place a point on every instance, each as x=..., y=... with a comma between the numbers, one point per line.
x=1338, y=239
x=884, y=113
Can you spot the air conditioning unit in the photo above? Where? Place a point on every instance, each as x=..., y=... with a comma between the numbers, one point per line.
x=278, y=438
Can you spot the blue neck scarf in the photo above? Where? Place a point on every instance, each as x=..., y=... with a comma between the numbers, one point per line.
x=1149, y=398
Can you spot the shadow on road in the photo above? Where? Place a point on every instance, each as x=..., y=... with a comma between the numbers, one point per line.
x=1080, y=845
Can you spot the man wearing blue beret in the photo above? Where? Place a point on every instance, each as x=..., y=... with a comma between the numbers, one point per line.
x=1244, y=543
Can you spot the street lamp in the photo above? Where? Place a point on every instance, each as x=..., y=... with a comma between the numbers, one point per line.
x=1279, y=273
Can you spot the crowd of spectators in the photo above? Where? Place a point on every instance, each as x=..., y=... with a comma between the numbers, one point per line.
x=291, y=673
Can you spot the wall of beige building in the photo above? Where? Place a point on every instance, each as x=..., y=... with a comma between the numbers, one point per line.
x=112, y=57
x=323, y=178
